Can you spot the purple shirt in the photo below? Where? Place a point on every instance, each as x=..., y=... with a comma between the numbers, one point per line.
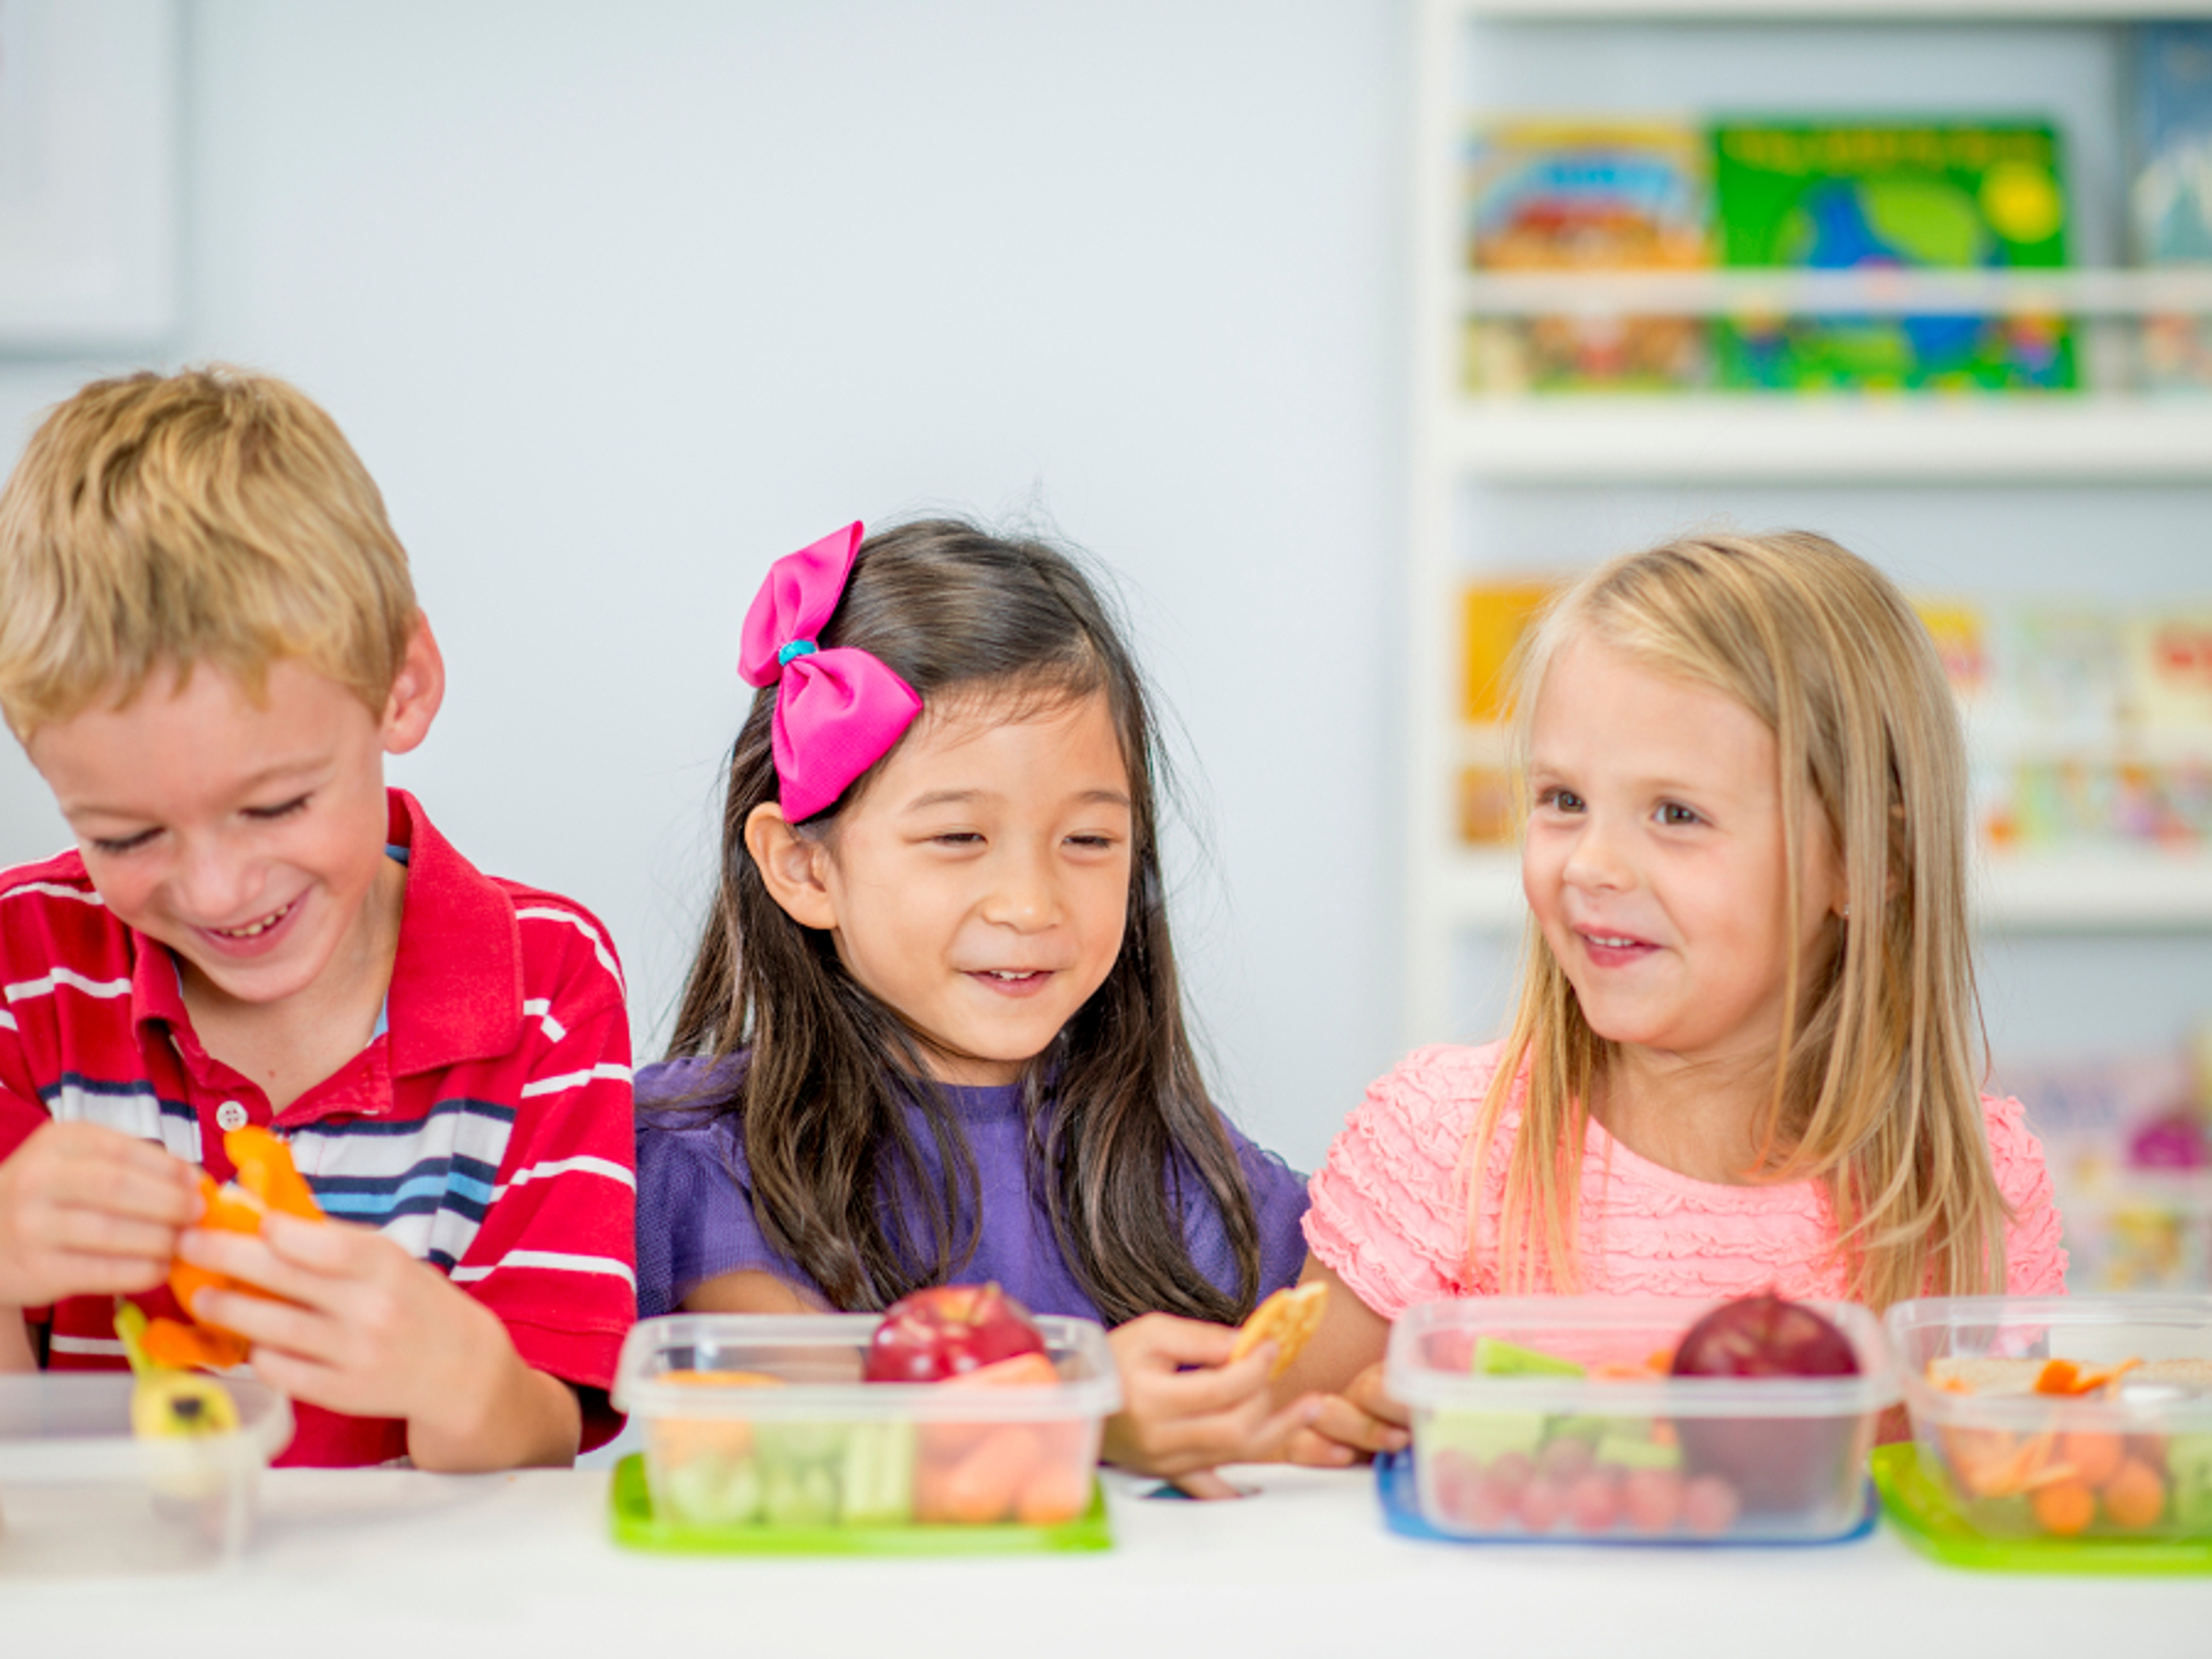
x=695, y=1210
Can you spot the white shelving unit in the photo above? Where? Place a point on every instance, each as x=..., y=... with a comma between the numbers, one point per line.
x=2088, y=439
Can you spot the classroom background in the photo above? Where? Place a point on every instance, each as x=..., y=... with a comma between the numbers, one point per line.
x=620, y=303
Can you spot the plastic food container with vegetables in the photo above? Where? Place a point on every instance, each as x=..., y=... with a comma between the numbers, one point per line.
x=100, y=1474
x=1641, y=1420
x=954, y=1421
x=2064, y=1417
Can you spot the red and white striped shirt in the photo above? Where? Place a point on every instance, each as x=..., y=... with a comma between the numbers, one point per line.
x=486, y=1128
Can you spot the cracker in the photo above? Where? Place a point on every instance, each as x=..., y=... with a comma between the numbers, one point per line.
x=1290, y=1317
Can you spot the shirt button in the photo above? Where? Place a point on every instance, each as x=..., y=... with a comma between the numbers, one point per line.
x=230, y=1115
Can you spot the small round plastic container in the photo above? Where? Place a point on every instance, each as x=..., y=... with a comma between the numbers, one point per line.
x=1538, y=1418
x=759, y=1433
x=80, y=1494
x=2130, y=1461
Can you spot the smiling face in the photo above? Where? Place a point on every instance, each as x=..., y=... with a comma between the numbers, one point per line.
x=247, y=837
x=979, y=886
x=1655, y=863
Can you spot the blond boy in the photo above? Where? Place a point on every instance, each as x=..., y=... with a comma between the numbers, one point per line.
x=208, y=642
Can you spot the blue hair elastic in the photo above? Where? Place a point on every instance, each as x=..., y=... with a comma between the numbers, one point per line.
x=796, y=649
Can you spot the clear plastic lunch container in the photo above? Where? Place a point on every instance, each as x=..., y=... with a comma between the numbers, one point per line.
x=1540, y=1416
x=2131, y=1460
x=762, y=1422
x=81, y=1494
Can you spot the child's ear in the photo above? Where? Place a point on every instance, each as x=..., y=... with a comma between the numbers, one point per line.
x=790, y=867
x=417, y=690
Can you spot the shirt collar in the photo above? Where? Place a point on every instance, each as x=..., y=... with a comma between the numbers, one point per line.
x=456, y=990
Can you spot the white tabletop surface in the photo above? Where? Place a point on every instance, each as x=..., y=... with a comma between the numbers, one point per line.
x=393, y=1563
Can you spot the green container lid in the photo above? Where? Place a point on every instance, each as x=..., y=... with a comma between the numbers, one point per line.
x=629, y=1505
x=1918, y=1507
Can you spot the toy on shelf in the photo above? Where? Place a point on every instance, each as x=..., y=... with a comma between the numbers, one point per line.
x=2129, y=1142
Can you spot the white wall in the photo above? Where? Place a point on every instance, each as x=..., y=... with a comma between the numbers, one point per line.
x=620, y=302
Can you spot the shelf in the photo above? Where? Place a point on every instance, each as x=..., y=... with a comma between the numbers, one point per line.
x=1671, y=438
x=1482, y=891
x=1796, y=293
x=1878, y=11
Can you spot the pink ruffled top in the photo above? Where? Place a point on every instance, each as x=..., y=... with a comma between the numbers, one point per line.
x=1390, y=1208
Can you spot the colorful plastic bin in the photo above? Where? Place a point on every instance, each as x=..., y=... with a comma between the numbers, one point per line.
x=2132, y=1462
x=1553, y=1451
x=760, y=1435
x=81, y=1495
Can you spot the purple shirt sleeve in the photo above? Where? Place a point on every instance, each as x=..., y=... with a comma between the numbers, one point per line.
x=695, y=1210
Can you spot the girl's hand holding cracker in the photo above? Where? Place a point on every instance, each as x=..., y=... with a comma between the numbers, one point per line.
x=1360, y=1422
x=366, y=1329
x=1191, y=1405
x=1339, y=1353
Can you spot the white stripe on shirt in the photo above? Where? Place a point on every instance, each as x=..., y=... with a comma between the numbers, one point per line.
x=24, y=989
x=55, y=889
x=583, y=1163
x=541, y=1010
x=105, y=1347
x=539, y=913
x=554, y=1085
x=554, y=1262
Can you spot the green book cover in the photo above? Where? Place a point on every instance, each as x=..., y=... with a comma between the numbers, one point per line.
x=1833, y=197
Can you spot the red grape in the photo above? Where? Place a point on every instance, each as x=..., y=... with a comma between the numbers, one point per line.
x=1653, y=1498
x=1594, y=1502
x=1543, y=1501
x=1709, y=1506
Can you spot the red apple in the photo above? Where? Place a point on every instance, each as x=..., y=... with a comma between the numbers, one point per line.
x=1772, y=1463
x=948, y=1330
x=1764, y=1336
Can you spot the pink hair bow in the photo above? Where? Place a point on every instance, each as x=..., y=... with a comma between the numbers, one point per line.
x=837, y=712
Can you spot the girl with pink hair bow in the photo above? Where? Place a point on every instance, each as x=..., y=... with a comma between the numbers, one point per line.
x=934, y=1033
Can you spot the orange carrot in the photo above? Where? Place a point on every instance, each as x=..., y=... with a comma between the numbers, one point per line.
x=2134, y=1496
x=2095, y=1457
x=1056, y=1491
x=2066, y=1507
x=983, y=1487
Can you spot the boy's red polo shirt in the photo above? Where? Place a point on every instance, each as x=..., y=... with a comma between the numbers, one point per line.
x=487, y=1129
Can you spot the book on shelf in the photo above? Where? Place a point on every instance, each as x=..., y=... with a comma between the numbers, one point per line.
x=1871, y=196
x=2169, y=192
x=1587, y=196
x=2090, y=725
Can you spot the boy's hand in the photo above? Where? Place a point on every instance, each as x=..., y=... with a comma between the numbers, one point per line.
x=1181, y=1424
x=366, y=1329
x=1360, y=1422
x=88, y=1211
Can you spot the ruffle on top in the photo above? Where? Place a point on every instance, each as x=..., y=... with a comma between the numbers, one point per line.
x=1389, y=1207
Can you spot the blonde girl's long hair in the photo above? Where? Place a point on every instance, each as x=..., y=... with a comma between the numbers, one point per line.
x=1876, y=1088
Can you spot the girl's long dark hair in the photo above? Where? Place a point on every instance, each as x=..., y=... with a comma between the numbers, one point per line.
x=1121, y=1126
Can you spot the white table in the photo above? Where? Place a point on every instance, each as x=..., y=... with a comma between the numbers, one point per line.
x=401, y=1564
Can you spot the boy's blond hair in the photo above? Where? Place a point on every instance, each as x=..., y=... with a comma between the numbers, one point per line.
x=211, y=515
x=1877, y=1082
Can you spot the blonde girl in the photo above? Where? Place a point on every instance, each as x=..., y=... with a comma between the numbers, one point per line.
x=1745, y=1055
